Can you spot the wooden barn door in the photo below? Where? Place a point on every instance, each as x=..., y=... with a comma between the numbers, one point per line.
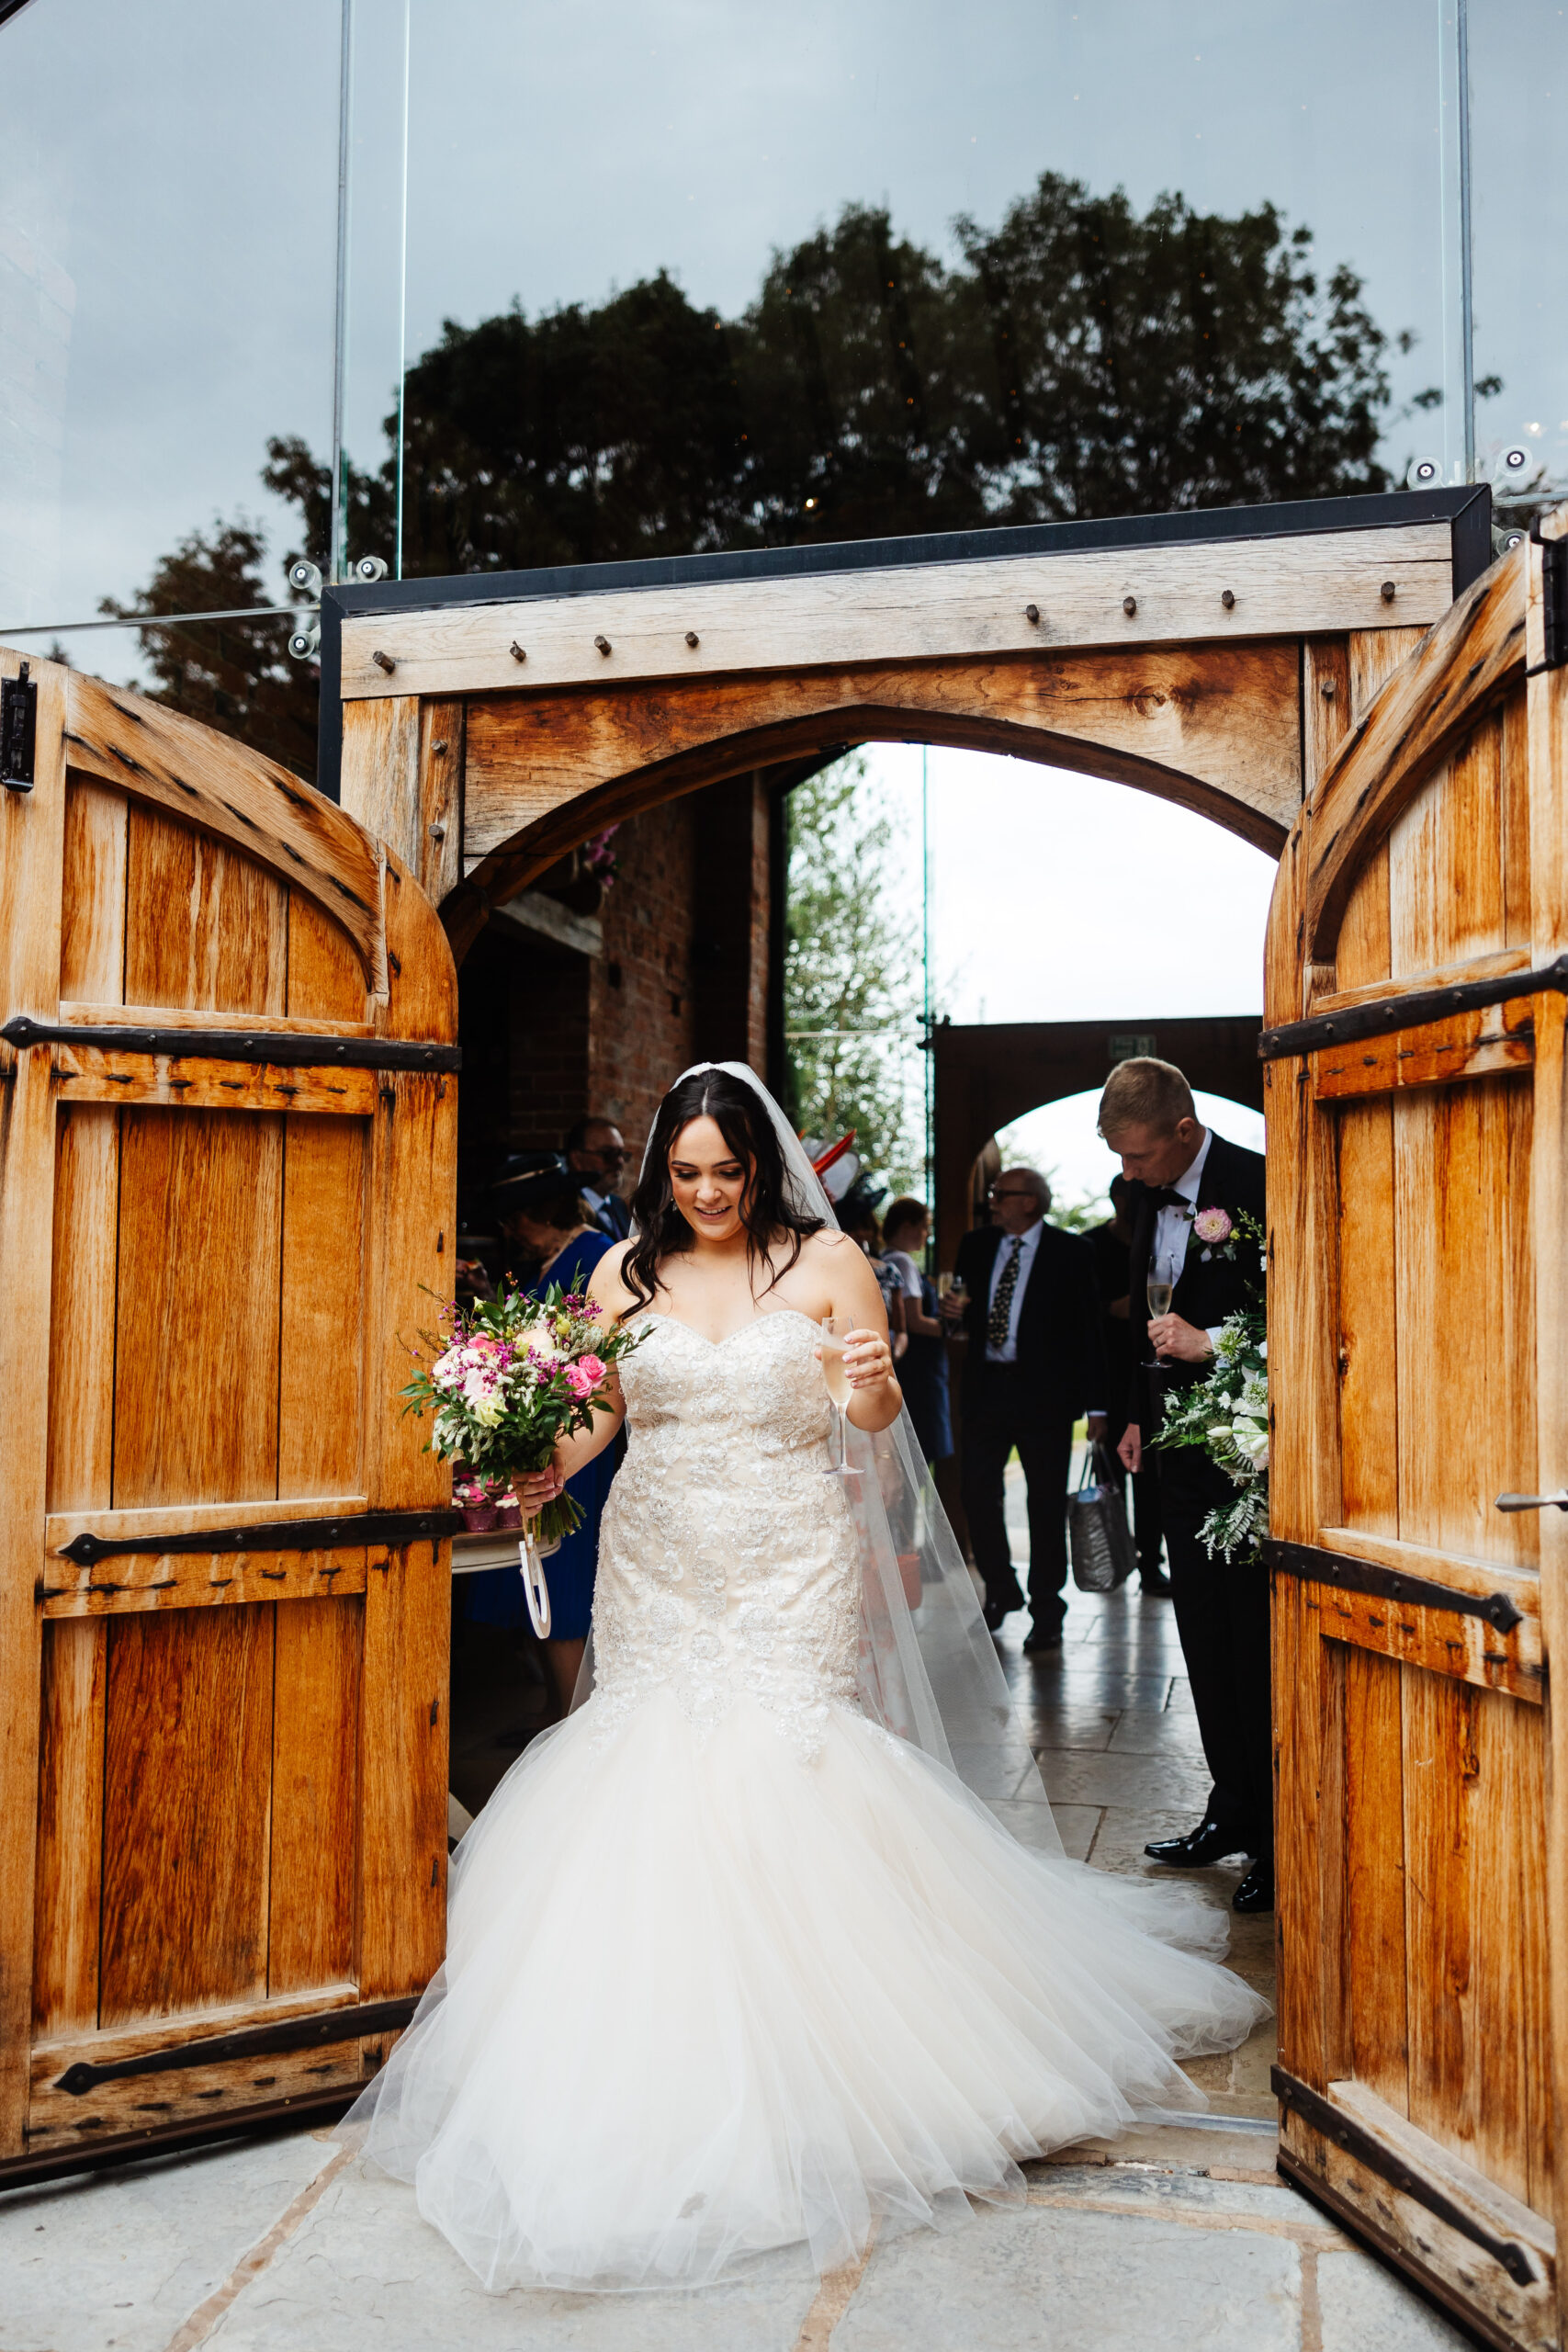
x=227, y=1127
x=1417, y=1107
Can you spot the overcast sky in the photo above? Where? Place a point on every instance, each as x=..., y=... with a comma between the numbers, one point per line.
x=170, y=182
x=1057, y=897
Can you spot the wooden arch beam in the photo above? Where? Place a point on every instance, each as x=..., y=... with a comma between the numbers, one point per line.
x=1213, y=729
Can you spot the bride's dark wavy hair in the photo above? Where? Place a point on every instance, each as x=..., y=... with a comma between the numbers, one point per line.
x=766, y=1210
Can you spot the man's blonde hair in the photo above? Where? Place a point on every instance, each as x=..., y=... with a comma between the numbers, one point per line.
x=1145, y=1093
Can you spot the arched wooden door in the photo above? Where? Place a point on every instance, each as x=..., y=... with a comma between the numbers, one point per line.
x=227, y=1130
x=1417, y=1108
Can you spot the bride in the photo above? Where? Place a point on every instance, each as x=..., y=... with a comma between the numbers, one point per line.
x=736, y=1959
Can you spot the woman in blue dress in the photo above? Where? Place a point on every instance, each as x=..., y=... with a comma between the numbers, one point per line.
x=543, y=1215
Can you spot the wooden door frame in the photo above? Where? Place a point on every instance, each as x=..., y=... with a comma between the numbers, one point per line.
x=484, y=726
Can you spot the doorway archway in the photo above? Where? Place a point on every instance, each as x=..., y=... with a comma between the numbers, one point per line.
x=484, y=726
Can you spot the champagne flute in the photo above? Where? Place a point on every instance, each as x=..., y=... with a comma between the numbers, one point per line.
x=1165, y=1273
x=833, y=1331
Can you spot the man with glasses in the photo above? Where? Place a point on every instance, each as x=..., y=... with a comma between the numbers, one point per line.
x=1035, y=1361
x=597, y=1151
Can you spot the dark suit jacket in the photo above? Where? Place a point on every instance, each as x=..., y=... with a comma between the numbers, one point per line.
x=614, y=1218
x=1210, y=1288
x=1061, y=1354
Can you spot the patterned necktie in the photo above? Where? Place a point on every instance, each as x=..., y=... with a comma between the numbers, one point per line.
x=1001, y=1317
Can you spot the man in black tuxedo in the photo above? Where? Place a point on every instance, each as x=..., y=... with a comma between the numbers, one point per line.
x=1222, y=1609
x=1034, y=1362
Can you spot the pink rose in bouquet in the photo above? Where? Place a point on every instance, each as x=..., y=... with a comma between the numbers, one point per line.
x=1212, y=1227
x=508, y=1379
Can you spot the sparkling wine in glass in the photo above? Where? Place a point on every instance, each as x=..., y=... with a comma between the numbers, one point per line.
x=1165, y=1270
x=832, y=1331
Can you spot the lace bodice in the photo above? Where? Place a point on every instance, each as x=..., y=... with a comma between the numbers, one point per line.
x=727, y=1563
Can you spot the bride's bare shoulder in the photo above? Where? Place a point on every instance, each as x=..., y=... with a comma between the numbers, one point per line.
x=826, y=1245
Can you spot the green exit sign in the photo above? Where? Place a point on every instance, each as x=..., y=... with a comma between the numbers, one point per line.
x=1129, y=1045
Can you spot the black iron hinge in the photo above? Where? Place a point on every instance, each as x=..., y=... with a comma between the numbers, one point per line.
x=276, y=1048
x=1389, y=1014
x=19, y=729
x=1554, y=599
x=396, y=1528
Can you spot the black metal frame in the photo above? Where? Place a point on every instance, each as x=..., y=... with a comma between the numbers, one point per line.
x=1467, y=510
x=1314, y=1566
x=1390, y=1014
x=283, y=1049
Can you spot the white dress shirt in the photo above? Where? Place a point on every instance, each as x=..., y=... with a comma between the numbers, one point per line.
x=1173, y=1227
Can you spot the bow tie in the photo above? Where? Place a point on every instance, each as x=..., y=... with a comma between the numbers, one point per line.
x=1164, y=1196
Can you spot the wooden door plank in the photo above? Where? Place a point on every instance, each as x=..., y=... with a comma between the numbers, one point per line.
x=1302, y=1830
x=1448, y=900
x=439, y=864
x=196, y=1375
x=1362, y=952
x=326, y=982
x=70, y=1830
x=92, y=942
x=1466, y=664
x=1514, y=814
x=321, y=1342
x=1433, y=1053
x=135, y=1581
x=1442, y=1641
x=169, y=762
x=1374, y=1874
x=408, y=1603
x=192, y=1082
x=32, y=828
x=1369, y=1385
x=315, y=1803
x=204, y=926
x=1466, y=1759
x=186, y=1811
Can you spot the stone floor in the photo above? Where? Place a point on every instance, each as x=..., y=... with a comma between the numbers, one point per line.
x=1182, y=2238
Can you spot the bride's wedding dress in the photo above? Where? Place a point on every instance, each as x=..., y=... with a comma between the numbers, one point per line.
x=731, y=1967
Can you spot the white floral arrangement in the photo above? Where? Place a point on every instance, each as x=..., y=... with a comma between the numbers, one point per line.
x=1226, y=1412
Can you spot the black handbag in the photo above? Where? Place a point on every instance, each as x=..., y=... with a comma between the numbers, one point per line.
x=1099, y=1540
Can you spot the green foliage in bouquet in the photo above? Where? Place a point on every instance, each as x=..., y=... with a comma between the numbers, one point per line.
x=509, y=1377
x=1226, y=1413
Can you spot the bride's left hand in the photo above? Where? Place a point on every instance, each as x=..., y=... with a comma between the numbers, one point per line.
x=868, y=1359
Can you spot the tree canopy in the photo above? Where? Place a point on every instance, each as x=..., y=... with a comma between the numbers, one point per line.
x=1081, y=358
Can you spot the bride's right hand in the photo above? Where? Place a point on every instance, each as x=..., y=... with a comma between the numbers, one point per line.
x=540, y=1487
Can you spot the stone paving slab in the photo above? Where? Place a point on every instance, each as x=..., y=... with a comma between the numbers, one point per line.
x=1020, y=2281
x=1360, y=2304
x=363, y=2274
x=120, y=2259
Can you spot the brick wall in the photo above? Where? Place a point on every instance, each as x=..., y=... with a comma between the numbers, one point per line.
x=549, y=1036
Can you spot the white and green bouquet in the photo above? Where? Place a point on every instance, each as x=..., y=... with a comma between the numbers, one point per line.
x=1226, y=1412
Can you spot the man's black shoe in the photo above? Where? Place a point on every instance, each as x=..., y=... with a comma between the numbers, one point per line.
x=1156, y=1584
x=1000, y=1605
x=1256, y=1891
x=1042, y=1637
x=1209, y=1842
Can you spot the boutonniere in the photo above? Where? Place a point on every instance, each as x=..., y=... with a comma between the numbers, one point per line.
x=1215, y=1231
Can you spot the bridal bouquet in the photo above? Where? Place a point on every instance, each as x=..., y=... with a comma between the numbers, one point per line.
x=511, y=1375
x=1226, y=1412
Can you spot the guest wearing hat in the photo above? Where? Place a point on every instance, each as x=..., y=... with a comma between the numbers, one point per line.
x=539, y=1208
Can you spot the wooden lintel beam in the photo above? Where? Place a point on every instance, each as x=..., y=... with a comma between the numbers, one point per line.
x=1113, y=598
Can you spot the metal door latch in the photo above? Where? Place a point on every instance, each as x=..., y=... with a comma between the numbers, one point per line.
x=1559, y=1502
x=19, y=729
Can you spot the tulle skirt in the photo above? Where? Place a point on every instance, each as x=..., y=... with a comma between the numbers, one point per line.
x=703, y=2000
